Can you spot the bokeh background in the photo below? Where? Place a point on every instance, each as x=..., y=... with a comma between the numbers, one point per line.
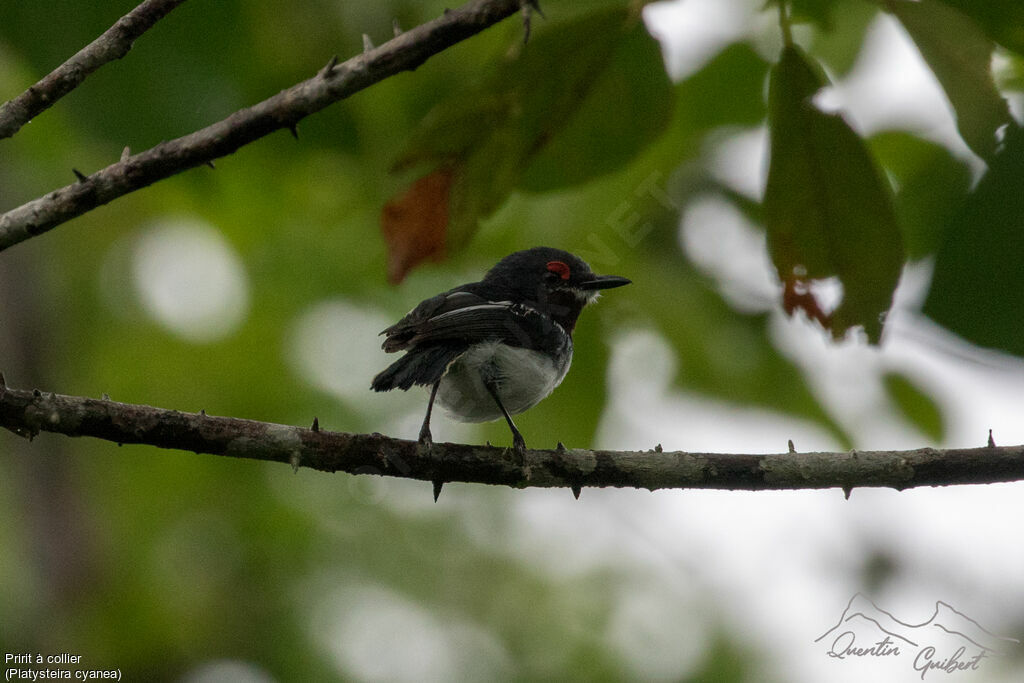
x=257, y=290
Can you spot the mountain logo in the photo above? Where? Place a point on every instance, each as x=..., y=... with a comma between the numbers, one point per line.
x=949, y=641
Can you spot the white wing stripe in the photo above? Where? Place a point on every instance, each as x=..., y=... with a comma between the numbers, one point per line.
x=503, y=305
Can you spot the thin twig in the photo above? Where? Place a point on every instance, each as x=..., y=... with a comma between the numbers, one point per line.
x=784, y=24
x=113, y=44
x=282, y=111
x=29, y=412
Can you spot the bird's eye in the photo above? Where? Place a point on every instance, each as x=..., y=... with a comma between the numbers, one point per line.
x=559, y=268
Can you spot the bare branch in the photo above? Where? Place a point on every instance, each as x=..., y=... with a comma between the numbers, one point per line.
x=29, y=412
x=284, y=110
x=115, y=43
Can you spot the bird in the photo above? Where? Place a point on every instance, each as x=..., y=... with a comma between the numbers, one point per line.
x=492, y=349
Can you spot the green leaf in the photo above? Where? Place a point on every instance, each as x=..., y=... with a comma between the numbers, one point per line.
x=1002, y=20
x=819, y=13
x=840, y=27
x=1011, y=73
x=932, y=185
x=918, y=407
x=960, y=55
x=729, y=90
x=828, y=210
x=450, y=130
x=626, y=107
x=977, y=287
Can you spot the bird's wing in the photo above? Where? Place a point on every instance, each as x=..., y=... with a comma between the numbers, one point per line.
x=398, y=335
x=513, y=324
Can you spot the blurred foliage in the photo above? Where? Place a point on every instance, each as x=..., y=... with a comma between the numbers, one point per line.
x=976, y=287
x=916, y=405
x=1002, y=20
x=532, y=124
x=960, y=56
x=931, y=183
x=827, y=211
x=154, y=562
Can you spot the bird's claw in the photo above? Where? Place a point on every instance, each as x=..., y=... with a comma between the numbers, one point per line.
x=528, y=7
x=426, y=443
x=519, y=448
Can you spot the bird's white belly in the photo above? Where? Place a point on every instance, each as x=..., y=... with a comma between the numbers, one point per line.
x=523, y=377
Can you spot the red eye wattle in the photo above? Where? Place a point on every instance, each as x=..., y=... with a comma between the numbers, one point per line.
x=559, y=268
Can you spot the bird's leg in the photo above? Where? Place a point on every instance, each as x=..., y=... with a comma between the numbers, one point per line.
x=425, y=437
x=527, y=7
x=426, y=440
x=518, y=443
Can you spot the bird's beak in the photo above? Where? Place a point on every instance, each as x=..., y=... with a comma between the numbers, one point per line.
x=604, y=282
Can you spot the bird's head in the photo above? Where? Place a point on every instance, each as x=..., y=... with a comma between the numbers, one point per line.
x=550, y=279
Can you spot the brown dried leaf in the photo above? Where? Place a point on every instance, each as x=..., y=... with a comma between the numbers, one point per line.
x=415, y=224
x=797, y=296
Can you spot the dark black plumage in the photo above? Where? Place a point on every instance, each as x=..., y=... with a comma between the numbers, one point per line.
x=496, y=347
x=422, y=368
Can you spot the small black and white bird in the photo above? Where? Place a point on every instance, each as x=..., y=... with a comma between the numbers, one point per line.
x=497, y=347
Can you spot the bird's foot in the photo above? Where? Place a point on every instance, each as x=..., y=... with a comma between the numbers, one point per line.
x=426, y=441
x=518, y=448
x=426, y=444
x=528, y=7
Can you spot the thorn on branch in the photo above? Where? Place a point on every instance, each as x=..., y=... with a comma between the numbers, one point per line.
x=576, y=489
x=295, y=460
x=847, y=490
x=438, y=483
x=126, y=152
x=316, y=425
x=294, y=130
x=202, y=412
x=209, y=162
x=560, y=447
x=395, y=27
x=991, y=441
x=328, y=70
x=104, y=396
x=792, y=448
x=78, y=174
x=367, y=43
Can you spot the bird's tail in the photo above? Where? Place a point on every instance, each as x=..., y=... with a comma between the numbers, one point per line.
x=418, y=367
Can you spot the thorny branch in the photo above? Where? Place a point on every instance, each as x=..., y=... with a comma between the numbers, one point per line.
x=29, y=412
x=115, y=43
x=334, y=82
